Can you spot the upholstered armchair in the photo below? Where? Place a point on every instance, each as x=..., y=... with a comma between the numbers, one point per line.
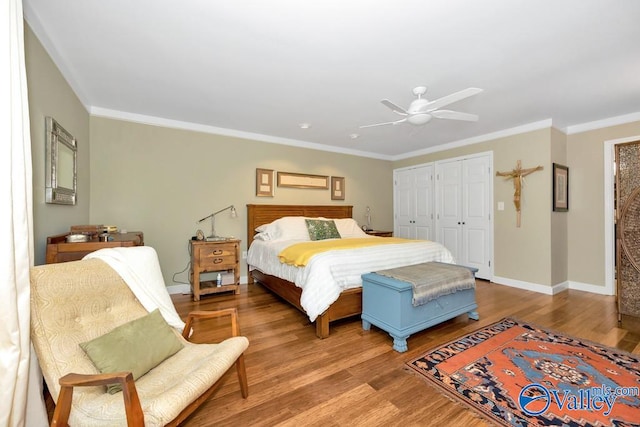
x=77, y=302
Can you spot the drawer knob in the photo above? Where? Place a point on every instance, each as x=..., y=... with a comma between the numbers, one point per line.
x=217, y=252
x=217, y=260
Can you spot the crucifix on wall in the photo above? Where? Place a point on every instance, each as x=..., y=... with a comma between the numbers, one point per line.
x=517, y=174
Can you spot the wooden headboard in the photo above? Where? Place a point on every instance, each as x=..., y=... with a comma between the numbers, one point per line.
x=258, y=215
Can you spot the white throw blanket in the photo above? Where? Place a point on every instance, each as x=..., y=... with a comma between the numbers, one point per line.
x=140, y=269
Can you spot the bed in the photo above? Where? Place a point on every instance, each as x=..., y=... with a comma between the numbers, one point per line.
x=347, y=301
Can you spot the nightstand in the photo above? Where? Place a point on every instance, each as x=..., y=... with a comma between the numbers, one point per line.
x=220, y=256
x=379, y=233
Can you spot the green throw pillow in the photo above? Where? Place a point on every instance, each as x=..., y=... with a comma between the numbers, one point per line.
x=320, y=230
x=137, y=346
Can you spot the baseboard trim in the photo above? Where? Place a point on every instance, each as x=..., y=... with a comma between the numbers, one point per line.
x=528, y=286
x=587, y=287
x=183, y=288
x=179, y=289
x=551, y=290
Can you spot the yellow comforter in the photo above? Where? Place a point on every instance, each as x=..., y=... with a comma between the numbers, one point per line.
x=299, y=254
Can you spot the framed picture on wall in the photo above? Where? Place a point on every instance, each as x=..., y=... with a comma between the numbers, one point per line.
x=560, y=188
x=264, y=182
x=337, y=188
x=302, y=180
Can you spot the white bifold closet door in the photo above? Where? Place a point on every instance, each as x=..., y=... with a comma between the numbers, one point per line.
x=463, y=211
x=414, y=203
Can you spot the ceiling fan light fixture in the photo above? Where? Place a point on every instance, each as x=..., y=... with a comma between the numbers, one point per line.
x=421, y=110
x=419, y=119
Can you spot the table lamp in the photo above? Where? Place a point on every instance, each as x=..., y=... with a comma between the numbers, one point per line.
x=213, y=235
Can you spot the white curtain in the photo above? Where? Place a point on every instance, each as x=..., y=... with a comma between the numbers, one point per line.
x=20, y=384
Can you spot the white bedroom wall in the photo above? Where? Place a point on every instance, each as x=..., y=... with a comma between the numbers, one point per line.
x=161, y=180
x=586, y=244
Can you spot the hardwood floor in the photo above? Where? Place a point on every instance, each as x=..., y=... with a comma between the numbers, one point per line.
x=354, y=377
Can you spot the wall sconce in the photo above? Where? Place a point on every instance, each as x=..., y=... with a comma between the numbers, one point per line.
x=213, y=235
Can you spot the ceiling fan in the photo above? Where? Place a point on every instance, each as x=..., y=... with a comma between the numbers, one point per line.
x=421, y=110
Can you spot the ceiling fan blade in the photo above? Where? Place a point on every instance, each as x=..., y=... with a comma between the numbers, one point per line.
x=396, y=109
x=397, y=122
x=454, y=115
x=450, y=99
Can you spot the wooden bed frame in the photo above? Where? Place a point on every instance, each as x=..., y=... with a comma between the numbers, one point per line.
x=350, y=301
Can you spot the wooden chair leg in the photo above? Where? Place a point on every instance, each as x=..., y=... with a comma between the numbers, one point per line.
x=242, y=376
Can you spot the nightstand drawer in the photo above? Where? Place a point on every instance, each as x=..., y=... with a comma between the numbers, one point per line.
x=219, y=257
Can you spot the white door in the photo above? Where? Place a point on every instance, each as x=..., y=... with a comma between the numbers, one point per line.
x=449, y=200
x=476, y=214
x=463, y=206
x=423, y=213
x=404, y=205
x=414, y=203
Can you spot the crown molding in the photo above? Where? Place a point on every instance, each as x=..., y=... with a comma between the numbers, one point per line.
x=177, y=124
x=604, y=123
x=542, y=124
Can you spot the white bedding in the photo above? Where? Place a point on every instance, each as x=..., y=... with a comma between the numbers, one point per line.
x=329, y=273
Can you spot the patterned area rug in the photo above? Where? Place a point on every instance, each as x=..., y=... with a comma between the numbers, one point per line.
x=518, y=374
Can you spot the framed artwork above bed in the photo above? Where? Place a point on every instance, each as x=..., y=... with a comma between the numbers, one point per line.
x=264, y=182
x=302, y=180
x=337, y=188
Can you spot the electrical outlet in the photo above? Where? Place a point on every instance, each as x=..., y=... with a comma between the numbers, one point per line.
x=244, y=254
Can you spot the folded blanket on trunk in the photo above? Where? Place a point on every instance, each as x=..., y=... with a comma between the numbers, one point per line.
x=432, y=280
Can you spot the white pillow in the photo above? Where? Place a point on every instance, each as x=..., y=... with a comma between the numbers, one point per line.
x=295, y=228
x=349, y=228
x=266, y=232
x=285, y=228
x=262, y=236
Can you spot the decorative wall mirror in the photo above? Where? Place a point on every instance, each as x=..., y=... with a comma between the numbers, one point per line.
x=61, y=164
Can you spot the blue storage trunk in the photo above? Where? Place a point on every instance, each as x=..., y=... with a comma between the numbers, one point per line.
x=386, y=303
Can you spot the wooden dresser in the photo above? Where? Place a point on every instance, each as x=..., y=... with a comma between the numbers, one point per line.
x=219, y=256
x=58, y=250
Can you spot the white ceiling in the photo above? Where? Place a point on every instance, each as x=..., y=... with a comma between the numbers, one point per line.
x=261, y=68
